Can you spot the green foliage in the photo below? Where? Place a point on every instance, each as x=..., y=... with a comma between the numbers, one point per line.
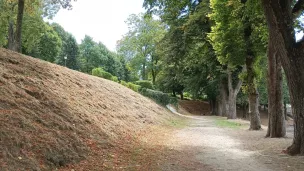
x=138, y=45
x=48, y=39
x=124, y=83
x=134, y=87
x=160, y=97
x=145, y=84
x=115, y=79
x=99, y=72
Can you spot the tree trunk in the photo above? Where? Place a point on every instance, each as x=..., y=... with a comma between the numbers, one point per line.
x=280, y=23
x=232, y=106
x=144, y=71
x=253, y=96
x=213, y=106
x=232, y=97
x=17, y=44
x=181, y=95
x=285, y=111
x=254, y=114
x=222, y=99
x=11, y=39
x=153, y=76
x=276, y=121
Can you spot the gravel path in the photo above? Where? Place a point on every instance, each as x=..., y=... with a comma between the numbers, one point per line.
x=219, y=148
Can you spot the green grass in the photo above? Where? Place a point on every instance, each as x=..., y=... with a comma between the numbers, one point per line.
x=228, y=124
x=178, y=122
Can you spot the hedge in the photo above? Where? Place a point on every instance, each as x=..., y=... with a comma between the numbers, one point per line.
x=99, y=72
x=158, y=96
x=145, y=84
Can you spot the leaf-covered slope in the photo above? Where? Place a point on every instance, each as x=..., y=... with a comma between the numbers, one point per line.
x=51, y=116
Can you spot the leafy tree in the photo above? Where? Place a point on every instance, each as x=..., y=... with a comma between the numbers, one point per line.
x=69, y=48
x=48, y=39
x=23, y=6
x=281, y=16
x=138, y=45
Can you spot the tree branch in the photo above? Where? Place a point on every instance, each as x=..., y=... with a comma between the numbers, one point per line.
x=238, y=87
x=297, y=8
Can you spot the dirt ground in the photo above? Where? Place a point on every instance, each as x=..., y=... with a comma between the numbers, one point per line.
x=51, y=116
x=203, y=145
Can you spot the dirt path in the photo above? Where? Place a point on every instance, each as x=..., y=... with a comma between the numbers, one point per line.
x=204, y=145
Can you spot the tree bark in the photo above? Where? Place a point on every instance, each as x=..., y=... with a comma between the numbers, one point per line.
x=276, y=121
x=11, y=39
x=232, y=97
x=144, y=71
x=18, y=41
x=222, y=99
x=253, y=96
x=280, y=23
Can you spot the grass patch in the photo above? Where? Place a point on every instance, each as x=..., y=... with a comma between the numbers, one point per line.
x=178, y=122
x=228, y=124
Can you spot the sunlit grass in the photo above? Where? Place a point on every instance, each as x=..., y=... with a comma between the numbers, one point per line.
x=228, y=124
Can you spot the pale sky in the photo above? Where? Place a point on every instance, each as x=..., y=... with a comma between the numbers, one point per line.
x=104, y=20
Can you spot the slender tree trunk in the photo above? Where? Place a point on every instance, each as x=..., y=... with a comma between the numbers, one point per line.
x=285, y=111
x=17, y=44
x=253, y=96
x=153, y=76
x=181, y=95
x=11, y=39
x=276, y=121
x=144, y=71
x=232, y=97
x=280, y=23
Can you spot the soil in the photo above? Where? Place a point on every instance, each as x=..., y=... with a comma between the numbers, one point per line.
x=52, y=117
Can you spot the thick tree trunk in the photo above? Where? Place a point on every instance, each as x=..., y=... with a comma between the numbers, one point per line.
x=280, y=23
x=17, y=44
x=254, y=114
x=232, y=106
x=276, y=121
x=213, y=106
x=222, y=99
x=253, y=96
x=232, y=97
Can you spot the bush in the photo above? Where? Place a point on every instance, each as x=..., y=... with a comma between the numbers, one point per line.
x=134, y=87
x=115, y=79
x=99, y=72
x=124, y=83
x=145, y=84
x=158, y=96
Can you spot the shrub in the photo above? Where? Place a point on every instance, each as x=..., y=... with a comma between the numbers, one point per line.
x=124, y=83
x=115, y=79
x=158, y=96
x=145, y=84
x=99, y=72
x=134, y=87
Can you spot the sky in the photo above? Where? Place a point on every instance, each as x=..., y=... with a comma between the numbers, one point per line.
x=104, y=20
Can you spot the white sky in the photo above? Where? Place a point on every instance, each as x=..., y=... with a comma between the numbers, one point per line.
x=104, y=20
